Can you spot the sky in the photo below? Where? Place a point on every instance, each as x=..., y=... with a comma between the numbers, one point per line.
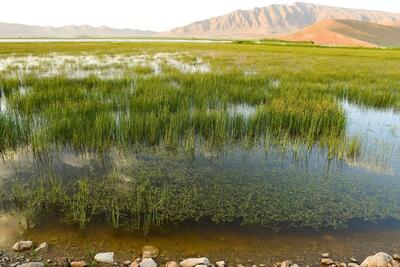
x=157, y=15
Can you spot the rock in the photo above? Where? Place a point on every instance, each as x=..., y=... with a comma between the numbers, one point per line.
x=105, y=257
x=191, y=262
x=325, y=255
x=42, y=247
x=353, y=264
x=77, y=264
x=171, y=264
x=148, y=263
x=343, y=264
x=286, y=263
x=150, y=252
x=127, y=263
x=353, y=260
x=220, y=264
x=327, y=261
x=380, y=259
x=134, y=264
x=22, y=245
x=294, y=265
x=32, y=264
x=396, y=257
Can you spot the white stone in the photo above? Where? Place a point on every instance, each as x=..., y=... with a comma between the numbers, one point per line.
x=148, y=263
x=105, y=257
x=42, y=246
x=220, y=263
x=380, y=259
x=22, y=245
x=32, y=264
x=191, y=262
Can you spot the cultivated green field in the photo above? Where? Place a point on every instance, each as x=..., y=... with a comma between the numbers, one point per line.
x=182, y=101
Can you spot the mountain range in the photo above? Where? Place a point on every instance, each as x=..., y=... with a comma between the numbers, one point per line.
x=279, y=19
x=297, y=22
x=13, y=30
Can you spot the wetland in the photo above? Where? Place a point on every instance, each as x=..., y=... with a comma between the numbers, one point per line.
x=234, y=150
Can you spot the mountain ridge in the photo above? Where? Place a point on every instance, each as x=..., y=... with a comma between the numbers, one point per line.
x=347, y=33
x=16, y=30
x=278, y=19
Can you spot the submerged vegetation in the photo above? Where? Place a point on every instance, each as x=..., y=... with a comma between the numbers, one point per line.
x=189, y=99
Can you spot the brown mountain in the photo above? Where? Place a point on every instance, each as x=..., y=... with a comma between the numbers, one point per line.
x=278, y=19
x=13, y=30
x=348, y=33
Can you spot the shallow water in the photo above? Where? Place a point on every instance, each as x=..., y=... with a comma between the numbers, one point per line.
x=298, y=180
x=105, y=67
x=230, y=242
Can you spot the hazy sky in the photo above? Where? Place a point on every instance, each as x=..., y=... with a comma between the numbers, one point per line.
x=159, y=15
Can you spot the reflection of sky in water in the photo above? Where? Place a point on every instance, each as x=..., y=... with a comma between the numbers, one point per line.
x=379, y=131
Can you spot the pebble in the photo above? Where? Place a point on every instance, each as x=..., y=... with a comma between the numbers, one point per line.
x=134, y=264
x=354, y=260
x=396, y=257
x=191, y=262
x=77, y=264
x=22, y=245
x=42, y=247
x=325, y=255
x=32, y=264
x=148, y=263
x=327, y=261
x=105, y=257
x=220, y=263
x=286, y=263
x=352, y=264
x=127, y=263
x=172, y=264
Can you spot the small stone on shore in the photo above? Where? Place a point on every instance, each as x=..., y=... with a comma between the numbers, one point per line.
x=148, y=263
x=32, y=264
x=127, y=263
x=171, y=264
x=22, y=245
x=327, y=261
x=105, y=257
x=42, y=246
x=325, y=255
x=220, y=263
x=77, y=264
x=191, y=262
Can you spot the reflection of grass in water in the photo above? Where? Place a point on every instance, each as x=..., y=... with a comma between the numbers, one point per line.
x=354, y=148
x=163, y=191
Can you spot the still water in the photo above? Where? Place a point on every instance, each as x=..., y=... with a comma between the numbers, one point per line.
x=358, y=189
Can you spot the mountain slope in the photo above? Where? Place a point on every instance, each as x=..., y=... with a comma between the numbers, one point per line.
x=20, y=30
x=347, y=33
x=278, y=19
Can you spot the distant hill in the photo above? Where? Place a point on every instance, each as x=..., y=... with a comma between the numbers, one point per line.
x=348, y=33
x=13, y=30
x=278, y=19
